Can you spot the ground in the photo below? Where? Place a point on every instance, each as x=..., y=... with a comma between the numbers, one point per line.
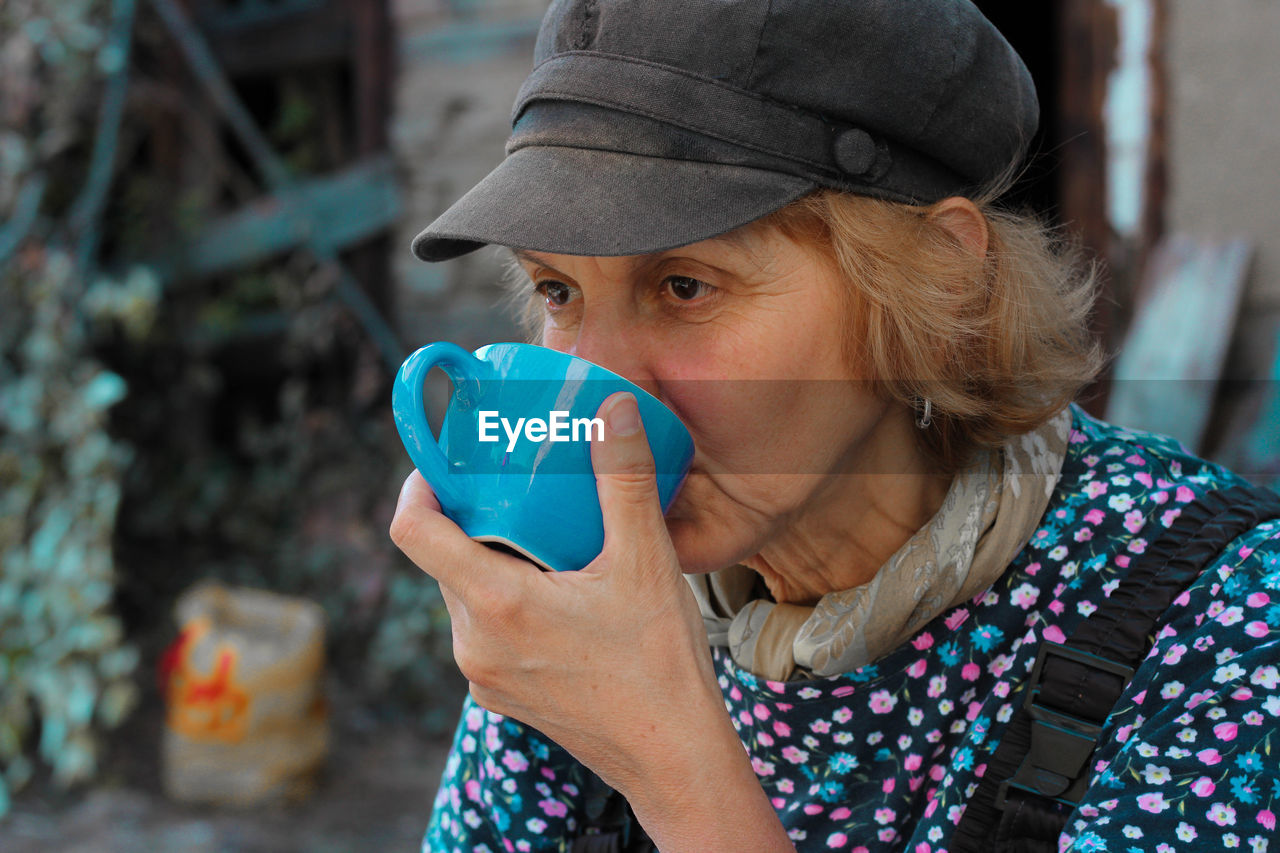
x=375, y=794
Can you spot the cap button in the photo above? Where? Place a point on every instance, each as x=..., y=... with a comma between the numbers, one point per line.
x=855, y=151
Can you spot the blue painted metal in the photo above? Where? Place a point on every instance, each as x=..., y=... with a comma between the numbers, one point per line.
x=206, y=68
x=1261, y=454
x=268, y=324
x=431, y=280
x=274, y=171
x=327, y=214
x=1127, y=113
x=248, y=13
x=25, y=213
x=1167, y=373
x=467, y=41
x=86, y=213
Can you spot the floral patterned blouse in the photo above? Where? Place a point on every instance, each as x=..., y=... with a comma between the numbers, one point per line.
x=884, y=758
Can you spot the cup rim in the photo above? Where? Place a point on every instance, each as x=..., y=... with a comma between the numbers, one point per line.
x=497, y=539
x=569, y=355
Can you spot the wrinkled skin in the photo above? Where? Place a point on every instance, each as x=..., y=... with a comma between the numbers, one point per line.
x=612, y=661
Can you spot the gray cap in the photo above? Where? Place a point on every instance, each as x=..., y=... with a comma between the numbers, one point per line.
x=650, y=124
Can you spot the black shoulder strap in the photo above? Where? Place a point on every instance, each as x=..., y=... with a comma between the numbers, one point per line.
x=1040, y=770
x=609, y=826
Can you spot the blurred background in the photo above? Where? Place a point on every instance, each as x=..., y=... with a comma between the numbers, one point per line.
x=205, y=288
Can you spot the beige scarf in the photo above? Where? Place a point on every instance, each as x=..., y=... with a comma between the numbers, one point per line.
x=986, y=518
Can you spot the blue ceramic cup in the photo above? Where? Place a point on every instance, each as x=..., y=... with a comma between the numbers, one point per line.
x=512, y=464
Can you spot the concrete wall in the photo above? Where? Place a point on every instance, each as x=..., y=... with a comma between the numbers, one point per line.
x=460, y=63
x=1223, y=61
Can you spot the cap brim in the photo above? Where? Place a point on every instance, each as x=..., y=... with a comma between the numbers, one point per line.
x=578, y=201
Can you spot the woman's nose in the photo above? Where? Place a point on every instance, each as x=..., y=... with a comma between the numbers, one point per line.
x=616, y=347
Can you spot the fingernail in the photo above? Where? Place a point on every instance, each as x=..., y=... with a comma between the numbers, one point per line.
x=403, y=488
x=624, y=415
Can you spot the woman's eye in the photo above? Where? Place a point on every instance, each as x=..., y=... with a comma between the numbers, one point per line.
x=557, y=293
x=686, y=289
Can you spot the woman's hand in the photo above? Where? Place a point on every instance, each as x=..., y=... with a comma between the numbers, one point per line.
x=612, y=661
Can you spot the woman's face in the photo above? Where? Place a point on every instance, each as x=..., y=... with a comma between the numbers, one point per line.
x=742, y=337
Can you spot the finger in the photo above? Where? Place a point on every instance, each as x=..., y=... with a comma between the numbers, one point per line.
x=625, y=479
x=459, y=618
x=417, y=489
x=441, y=549
x=457, y=613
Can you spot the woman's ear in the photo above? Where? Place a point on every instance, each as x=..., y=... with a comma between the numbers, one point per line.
x=961, y=218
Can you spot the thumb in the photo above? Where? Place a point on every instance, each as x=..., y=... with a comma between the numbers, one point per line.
x=625, y=480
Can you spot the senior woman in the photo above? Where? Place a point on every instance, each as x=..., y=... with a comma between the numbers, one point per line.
x=780, y=218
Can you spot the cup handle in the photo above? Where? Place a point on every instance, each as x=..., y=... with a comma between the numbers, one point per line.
x=409, y=406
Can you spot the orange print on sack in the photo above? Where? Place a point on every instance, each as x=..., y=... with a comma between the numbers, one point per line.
x=204, y=707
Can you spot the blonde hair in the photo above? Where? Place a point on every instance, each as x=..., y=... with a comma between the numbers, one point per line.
x=998, y=344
